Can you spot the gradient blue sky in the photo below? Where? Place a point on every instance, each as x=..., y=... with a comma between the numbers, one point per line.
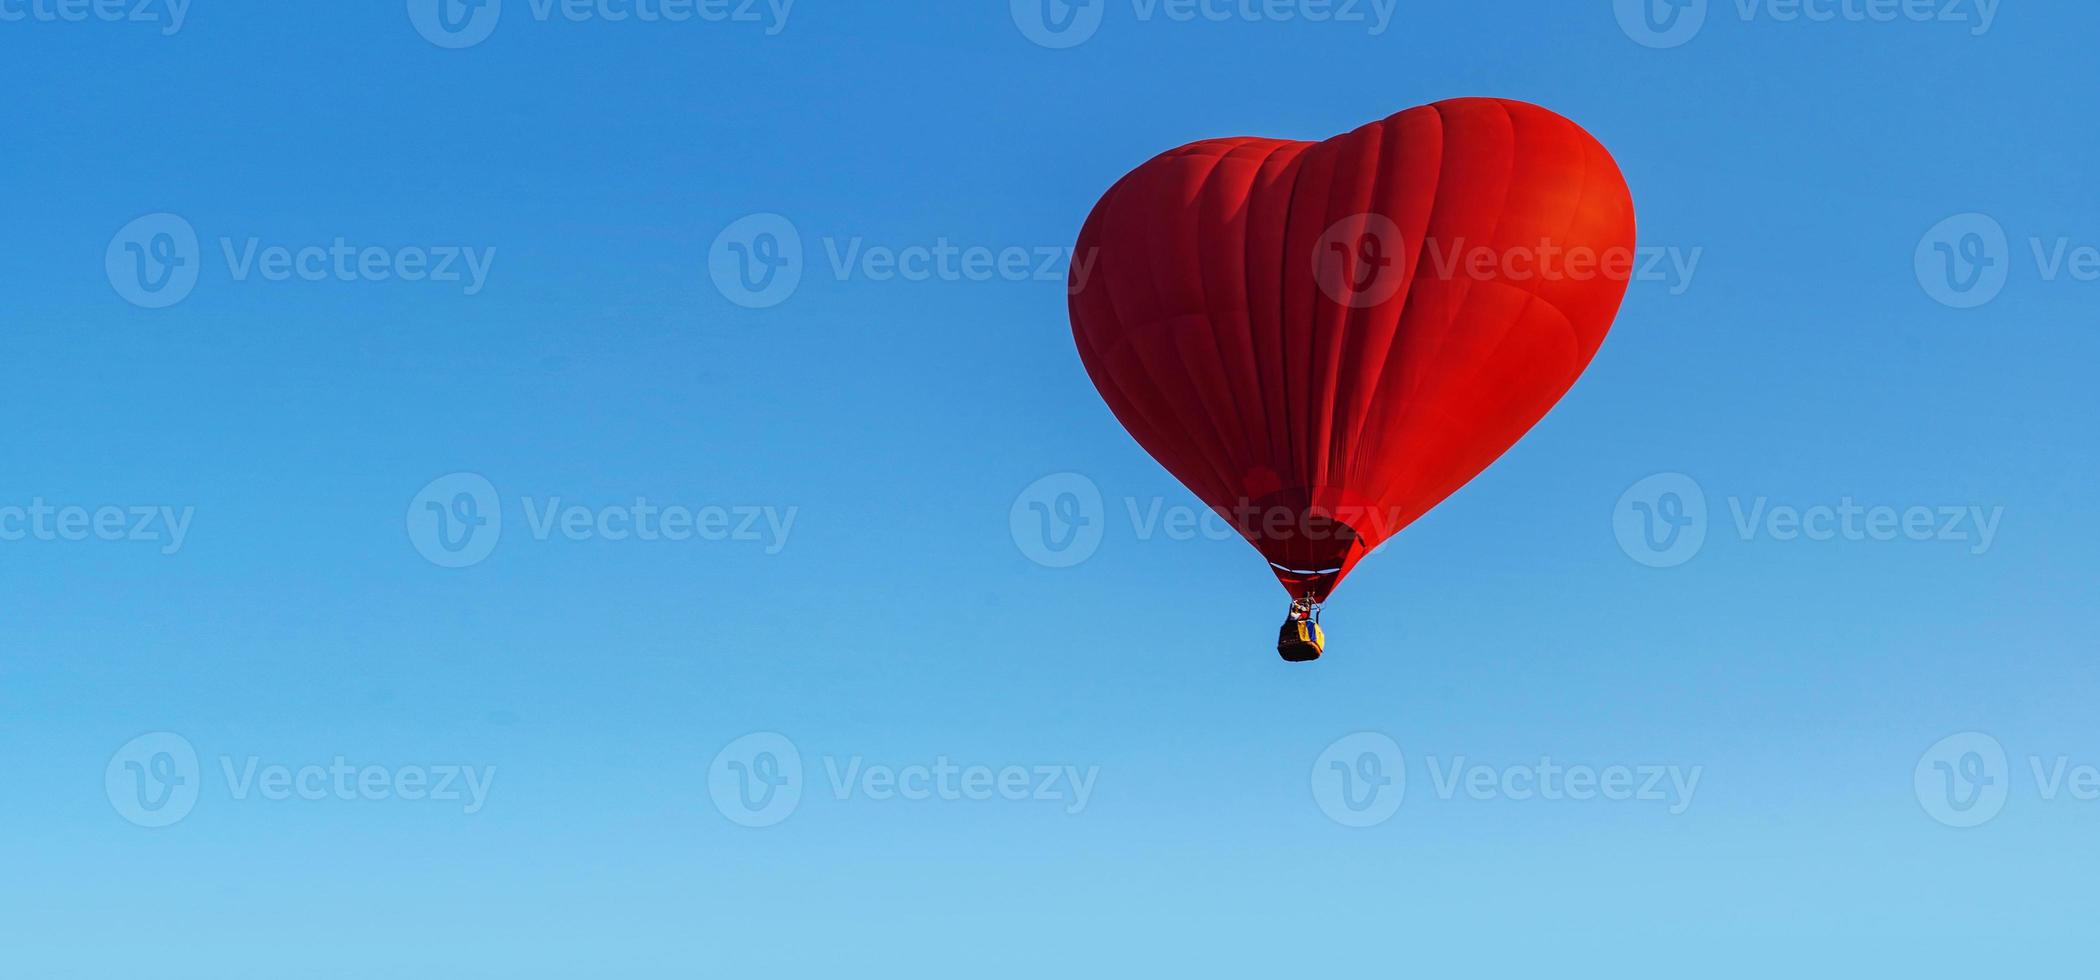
x=902, y=620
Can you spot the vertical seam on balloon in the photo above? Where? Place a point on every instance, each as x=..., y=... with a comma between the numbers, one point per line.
x=1319, y=406
x=1124, y=327
x=1096, y=354
x=1270, y=454
x=1350, y=467
x=1178, y=416
x=1159, y=234
x=1335, y=469
x=1352, y=471
x=1277, y=453
x=1220, y=375
x=1346, y=318
x=1283, y=295
x=1309, y=458
x=1307, y=465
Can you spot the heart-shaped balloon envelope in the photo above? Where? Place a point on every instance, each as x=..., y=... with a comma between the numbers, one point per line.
x=1325, y=340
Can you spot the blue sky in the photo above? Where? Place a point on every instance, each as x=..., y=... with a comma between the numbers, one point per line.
x=467, y=459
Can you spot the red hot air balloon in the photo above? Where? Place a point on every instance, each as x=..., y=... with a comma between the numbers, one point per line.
x=1325, y=340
